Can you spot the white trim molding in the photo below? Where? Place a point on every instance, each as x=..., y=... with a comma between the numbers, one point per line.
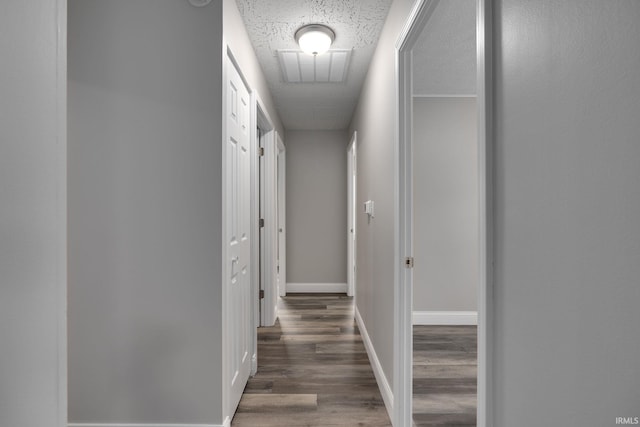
x=445, y=318
x=381, y=379
x=269, y=209
x=484, y=40
x=317, y=288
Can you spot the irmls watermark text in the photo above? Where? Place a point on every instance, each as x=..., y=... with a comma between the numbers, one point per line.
x=628, y=420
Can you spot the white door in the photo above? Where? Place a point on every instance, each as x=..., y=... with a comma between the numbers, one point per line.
x=237, y=210
x=351, y=218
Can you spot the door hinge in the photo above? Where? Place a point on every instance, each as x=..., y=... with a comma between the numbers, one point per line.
x=261, y=294
x=408, y=262
x=261, y=222
x=261, y=152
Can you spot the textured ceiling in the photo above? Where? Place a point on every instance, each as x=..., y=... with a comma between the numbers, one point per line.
x=271, y=25
x=444, y=58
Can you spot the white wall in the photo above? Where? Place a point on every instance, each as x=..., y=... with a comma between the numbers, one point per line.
x=316, y=206
x=567, y=212
x=145, y=110
x=375, y=121
x=32, y=214
x=445, y=203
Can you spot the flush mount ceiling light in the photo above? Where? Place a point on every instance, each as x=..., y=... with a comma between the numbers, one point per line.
x=315, y=39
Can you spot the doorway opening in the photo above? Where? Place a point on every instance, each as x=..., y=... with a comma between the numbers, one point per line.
x=424, y=18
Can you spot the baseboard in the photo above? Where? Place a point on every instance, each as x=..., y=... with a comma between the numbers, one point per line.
x=314, y=288
x=383, y=384
x=254, y=364
x=226, y=424
x=445, y=317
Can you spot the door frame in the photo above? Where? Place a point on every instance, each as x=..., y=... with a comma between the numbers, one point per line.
x=403, y=223
x=267, y=198
x=281, y=217
x=351, y=214
x=258, y=119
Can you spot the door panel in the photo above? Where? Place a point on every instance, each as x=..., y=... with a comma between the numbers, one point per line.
x=238, y=204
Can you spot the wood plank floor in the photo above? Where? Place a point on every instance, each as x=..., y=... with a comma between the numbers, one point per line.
x=444, y=376
x=313, y=369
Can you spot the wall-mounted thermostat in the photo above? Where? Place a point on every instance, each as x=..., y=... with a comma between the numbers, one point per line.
x=368, y=208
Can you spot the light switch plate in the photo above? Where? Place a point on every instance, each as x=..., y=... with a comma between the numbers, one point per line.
x=368, y=208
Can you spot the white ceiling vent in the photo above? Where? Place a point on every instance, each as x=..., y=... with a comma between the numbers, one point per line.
x=299, y=67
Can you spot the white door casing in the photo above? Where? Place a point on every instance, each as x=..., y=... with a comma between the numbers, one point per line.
x=261, y=212
x=237, y=196
x=268, y=212
x=282, y=214
x=351, y=216
x=270, y=311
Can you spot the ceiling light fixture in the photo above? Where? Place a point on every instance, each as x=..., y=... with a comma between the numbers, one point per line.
x=315, y=39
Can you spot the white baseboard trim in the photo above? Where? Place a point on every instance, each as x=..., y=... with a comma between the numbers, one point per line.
x=254, y=364
x=226, y=424
x=383, y=384
x=445, y=317
x=314, y=288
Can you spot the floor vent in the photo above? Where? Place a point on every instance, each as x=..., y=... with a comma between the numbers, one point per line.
x=299, y=67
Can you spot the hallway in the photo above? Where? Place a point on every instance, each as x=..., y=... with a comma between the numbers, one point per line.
x=313, y=369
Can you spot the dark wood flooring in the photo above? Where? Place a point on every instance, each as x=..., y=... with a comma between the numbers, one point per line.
x=444, y=376
x=313, y=369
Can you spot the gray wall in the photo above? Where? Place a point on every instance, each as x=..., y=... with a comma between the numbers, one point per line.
x=567, y=212
x=145, y=90
x=375, y=121
x=32, y=216
x=145, y=172
x=316, y=206
x=445, y=204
